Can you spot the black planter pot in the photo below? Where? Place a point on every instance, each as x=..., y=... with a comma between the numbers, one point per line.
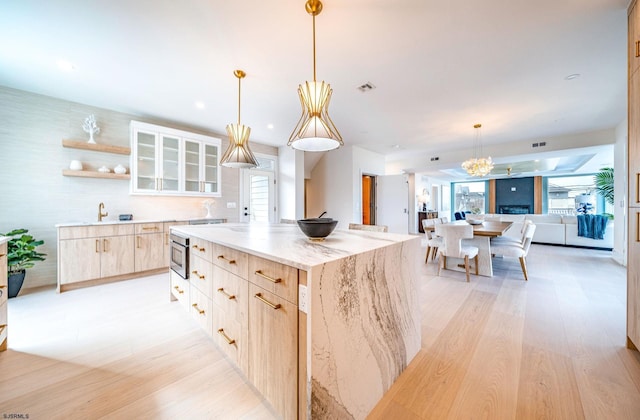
x=15, y=283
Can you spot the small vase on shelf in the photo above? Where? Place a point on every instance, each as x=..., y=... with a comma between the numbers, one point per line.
x=90, y=126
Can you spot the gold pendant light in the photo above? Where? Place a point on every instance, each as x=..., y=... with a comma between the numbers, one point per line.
x=315, y=132
x=478, y=166
x=238, y=154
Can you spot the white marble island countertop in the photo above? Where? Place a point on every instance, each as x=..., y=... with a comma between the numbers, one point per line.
x=285, y=243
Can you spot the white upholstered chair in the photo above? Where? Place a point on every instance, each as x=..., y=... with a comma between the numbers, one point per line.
x=433, y=242
x=452, y=235
x=516, y=250
x=373, y=228
x=510, y=239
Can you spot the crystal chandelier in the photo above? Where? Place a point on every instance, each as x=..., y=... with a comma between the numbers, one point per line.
x=315, y=132
x=478, y=166
x=238, y=154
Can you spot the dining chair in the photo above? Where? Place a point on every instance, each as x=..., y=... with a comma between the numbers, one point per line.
x=444, y=219
x=453, y=235
x=516, y=250
x=371, y=228
x=433, y=242
x=498, y=240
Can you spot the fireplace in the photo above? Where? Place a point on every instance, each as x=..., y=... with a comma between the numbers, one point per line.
x=515, y=209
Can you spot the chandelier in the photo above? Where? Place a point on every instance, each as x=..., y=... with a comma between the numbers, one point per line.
x=315, y=132
x=478, y=166
x=238, y=154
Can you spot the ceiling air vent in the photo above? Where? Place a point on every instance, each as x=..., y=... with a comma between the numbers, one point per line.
x=366, y=87
x=435, y=158
x=539, y=144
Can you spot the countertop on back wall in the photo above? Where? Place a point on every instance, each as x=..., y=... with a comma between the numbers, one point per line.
x=198, y=220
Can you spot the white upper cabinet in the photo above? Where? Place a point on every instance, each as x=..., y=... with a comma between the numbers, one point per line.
x=166, y=161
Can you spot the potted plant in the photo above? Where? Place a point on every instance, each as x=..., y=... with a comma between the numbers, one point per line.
x=604, y=185
x=21, y=254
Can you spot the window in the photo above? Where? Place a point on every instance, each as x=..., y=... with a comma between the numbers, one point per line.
x=574, y=195
x=470, y=196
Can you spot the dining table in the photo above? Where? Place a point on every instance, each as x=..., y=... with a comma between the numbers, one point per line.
x=482, y=234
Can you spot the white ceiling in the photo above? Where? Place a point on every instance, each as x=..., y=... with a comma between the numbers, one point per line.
x=439, y=67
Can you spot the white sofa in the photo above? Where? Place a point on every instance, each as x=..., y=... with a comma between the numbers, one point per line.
x=553, y=229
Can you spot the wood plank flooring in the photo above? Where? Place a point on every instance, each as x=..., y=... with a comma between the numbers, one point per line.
x=494, y=348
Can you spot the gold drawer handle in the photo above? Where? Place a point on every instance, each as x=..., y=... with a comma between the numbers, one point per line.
x=137, y=242
x=221, y=290
x=222, y=257
x=226, y=337
x=638, y=187
x=198, y=248
x=637, y=48
x=178, y=289
x=638, y=226
x=200, y=311
x=200, y=276
x=273, y=305
x=150, y=228
x=271, y=279
x=97, y=246
x=2, y=255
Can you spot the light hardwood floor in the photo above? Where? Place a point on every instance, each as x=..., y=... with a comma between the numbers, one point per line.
x=494, y=348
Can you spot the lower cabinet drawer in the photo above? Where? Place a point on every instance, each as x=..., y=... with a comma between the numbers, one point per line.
x=200, y=275
x=180, y=289
x=230, y=294
x=201, y=309
x=229, y=335
x=231, y=260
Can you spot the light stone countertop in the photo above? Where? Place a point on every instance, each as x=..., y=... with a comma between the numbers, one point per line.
x=286, y=244
x=123, y=222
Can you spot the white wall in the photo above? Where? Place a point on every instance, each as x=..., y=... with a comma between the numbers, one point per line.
x=291, y=172
x=36, y=196
x=620, y=155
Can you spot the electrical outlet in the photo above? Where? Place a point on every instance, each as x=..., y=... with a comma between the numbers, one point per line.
x=231, y=205
x=303, y=303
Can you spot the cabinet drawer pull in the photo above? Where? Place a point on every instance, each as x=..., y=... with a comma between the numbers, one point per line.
x=196, y=247
x=104, y=245
x=226, y=337
x=97, y=245
x=265, y=301
x=221, y=290
x=200, y=276
x=638, y=187
x=200, y=311
x=150, y=228
x=222, y=257
x=2, y=255
x=178, y=289
x=264, y=276
x=166, y=239
x=638, y=226
x=137, y=242
x=637, y=48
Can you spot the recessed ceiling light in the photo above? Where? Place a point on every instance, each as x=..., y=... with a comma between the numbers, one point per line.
x=65, y=65
x=396, y=146
x=200, y=105
x=572, y=76
x=270, y=126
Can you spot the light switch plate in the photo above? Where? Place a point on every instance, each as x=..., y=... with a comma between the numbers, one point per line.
x=231, y=205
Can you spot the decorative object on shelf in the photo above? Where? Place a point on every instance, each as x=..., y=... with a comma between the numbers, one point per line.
x=120, y=169
x=478, y=166
x=209, y=205
x=21, y=254
x=104, y=170
x=91, y=127
x=315, y=132
x=238, y=154
x=75, y=165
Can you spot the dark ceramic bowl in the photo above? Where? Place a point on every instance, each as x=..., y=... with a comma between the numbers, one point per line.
x=317, y=228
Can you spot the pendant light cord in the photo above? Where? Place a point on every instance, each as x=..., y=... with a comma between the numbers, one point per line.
x=314, y=47
x=239, y=80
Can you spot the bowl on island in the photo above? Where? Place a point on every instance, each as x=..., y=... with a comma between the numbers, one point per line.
x=318, y=228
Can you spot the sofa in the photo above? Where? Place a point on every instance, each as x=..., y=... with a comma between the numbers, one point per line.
x=553, y=229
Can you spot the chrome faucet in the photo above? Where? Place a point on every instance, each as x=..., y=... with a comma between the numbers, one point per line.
x=100, y=213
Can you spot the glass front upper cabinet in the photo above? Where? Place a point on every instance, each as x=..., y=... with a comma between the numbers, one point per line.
x=174, y=162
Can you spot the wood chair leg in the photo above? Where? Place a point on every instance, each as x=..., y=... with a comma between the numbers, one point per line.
x=523, y=264
x=426, y=258
x=466, y=266
x=476, y=258
x=435, y=253
x=442, y=263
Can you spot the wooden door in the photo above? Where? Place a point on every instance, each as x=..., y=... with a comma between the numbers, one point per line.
x=117, y=255
x=273, y=349
x=633, y=280
x=634, y=39
x=79, y=259
x=634, y=141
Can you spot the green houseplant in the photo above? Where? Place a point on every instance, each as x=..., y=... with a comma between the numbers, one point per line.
x=604, y=185
x=21, y=254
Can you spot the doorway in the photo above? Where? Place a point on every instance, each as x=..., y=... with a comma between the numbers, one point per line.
x=258, y=192
x=368, y=200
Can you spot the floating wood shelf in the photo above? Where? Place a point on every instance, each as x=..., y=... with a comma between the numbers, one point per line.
x=95, y=174
x=74, y=144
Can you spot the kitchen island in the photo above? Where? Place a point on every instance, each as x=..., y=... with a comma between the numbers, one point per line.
x=321, y=329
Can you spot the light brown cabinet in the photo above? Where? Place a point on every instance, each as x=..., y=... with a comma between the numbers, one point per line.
x=633, y=236
x=150, y=248
x=4, y=293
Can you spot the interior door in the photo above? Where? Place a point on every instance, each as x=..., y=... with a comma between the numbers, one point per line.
x=393, y=203
x=258, y=203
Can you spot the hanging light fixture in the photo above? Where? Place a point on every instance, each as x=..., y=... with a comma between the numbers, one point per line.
x=238, y=154
x=478, y=166
x=315, y=132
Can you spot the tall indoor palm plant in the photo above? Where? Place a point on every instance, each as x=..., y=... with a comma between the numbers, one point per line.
x=604, y=184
